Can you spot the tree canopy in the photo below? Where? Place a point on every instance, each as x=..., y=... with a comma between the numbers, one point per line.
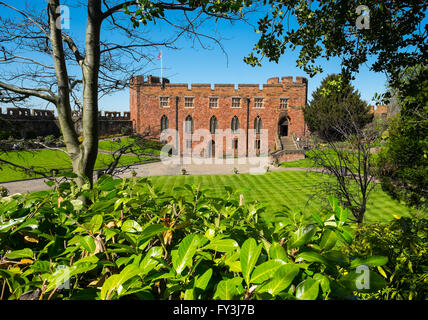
x=336, y=106
x=403, y=162
x=393, y=33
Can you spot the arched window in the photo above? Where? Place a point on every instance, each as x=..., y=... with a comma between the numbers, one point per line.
x=258, y=124
x=164, y=123
x=188, y=126
x=235, y=124
x=213, y=124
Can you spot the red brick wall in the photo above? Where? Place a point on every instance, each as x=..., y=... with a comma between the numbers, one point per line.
x=146, y=112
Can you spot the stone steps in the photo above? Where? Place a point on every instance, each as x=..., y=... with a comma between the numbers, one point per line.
x=289, y=144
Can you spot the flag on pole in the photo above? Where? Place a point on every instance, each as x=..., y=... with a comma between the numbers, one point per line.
x=160, y=57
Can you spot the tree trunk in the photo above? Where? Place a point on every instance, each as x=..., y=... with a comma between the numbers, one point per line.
x=83, y=154
x=90, y=69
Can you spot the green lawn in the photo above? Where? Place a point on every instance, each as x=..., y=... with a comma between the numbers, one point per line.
x=307, y=162
x=109, y=145
x=45, y=160
x=280, y=190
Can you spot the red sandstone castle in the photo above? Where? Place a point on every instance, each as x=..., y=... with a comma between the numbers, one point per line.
x=276, y=106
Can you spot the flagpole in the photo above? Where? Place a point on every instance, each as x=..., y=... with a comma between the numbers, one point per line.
x=161, y=68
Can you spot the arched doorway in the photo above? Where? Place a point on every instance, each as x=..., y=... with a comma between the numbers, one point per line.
x=283, y=124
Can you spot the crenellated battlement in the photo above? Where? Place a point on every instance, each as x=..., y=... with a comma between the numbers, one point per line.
x=27, y=114
x=152, y=81
x=38, y=122
x=39, y=114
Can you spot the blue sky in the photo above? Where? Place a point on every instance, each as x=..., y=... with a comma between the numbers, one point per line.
x=197, y=65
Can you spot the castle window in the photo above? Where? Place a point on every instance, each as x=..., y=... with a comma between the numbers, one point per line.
x=213, y=124
x=258, y=102
x=236, y=102
x=188, y=102
x=164, y=102
x=283, y=103
x=213, y=102
x=164, y=123
x=235, y=124
x=235, y=143
x=188, y=125
x=258, y=124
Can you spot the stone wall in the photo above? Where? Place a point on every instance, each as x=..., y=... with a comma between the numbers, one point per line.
x=31, y=123
x=283, y=156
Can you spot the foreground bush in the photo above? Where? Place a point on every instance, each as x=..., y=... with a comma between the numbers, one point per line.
x=405, y=242
x=133, y=242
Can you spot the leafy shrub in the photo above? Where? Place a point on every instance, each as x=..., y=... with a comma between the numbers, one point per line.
x=126, y=131
x=133, y=241
x=50, y=140
x=404, y=242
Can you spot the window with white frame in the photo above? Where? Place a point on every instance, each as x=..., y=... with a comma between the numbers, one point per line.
x=236, y=102
x=164, y=102
x=213, y=102
x=258, y=103
x=283, y=103
x=188, y=102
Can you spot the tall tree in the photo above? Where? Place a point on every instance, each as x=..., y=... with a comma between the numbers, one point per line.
x=336, y=103
x=46, y=61
x=403, y=162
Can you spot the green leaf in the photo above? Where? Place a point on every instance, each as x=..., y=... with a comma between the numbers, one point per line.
x=109, y=184
x=276, y=251
x=317, y=219
x=222, y=245
x=186, y=251
x=311, y=256
x=6, y=226
x=131, y=226
x=282, y=278
x=58, y=278
x=88, y=243
x=29, y=223
x=150, y=260
x=301, y=236
x=328, y=240
x=323, y=281
x=365, y=281
x=19, y=254
x=307, y=290
x=344, y=235
x=249, y=255
x=151, y=231
x=229, y=289
x=95, y=224
x=201, y=282
x=116, y=281
x=341, y=214
x=265, y=270
x=374, y=261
